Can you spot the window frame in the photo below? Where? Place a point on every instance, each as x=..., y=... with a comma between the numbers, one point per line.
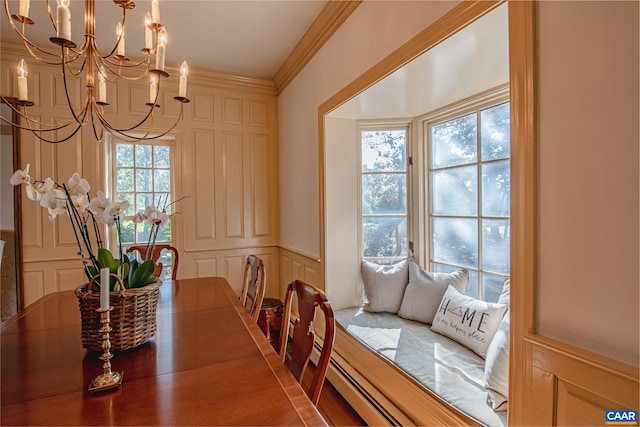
x=111, y=179
x=474, y=104
x=386, y=125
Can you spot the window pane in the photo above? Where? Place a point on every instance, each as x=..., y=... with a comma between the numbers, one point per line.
x=455, y=191
x=143, y=156
x=454, y=142
x=124, y=155
x=384, y=237
x=144, y=180
x=491, y=287
x=162, y=202
x=162, y=180
x=129, y=197
x=143, y=230
x=455, y=241
x=127, y=231
x=384, y=194
x=384, y=151
x=142, y=201
x=496, y=184
x=161, y=156
x=496, y=132
x=495, y=245
x=125, y=180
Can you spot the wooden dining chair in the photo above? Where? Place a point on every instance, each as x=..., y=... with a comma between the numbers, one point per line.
x=303, y=337
x=155, y=255
x=254, y=286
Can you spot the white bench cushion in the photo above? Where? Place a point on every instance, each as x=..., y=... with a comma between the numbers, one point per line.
x=450, y=370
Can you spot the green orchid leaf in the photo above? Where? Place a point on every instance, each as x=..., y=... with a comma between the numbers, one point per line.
x=142, y=274
x=152, y=279
x=92, y=271
x=105, y=259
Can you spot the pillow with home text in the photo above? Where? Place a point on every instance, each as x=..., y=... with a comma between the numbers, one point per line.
x=469, y=321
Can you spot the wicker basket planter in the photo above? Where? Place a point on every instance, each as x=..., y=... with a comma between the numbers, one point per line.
x=133, y=318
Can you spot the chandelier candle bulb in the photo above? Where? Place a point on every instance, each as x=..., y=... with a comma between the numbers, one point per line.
x=64, y=20
x=153, y=89
x=24, y=8
x=102, y=86
x=184, y=72
x=155, y=11
x=148, y=34
x=23, y=89
x=104, y=288
x=120, y=33
x=162, y=43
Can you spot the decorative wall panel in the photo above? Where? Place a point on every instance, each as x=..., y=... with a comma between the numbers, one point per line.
x=214, y=166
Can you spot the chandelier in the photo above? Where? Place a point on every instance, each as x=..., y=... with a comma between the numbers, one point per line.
x=97, y=66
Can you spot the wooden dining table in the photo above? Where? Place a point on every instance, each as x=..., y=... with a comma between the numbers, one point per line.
x=208, y=364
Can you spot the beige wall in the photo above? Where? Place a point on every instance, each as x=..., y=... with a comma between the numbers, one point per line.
x=584, y=243
x=588, y=176
x=225, y=159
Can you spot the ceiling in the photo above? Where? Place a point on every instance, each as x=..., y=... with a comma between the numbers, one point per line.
x=469, y=62
x=245, y=37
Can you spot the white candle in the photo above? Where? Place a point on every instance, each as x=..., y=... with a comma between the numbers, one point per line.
x=102, y=86
x=148, y=34
x=153, y=89
x=64, y=20
x=104, y=288
x=23, y=89
x=155, y=11
x=24, y=8
x=162, y=43
x=120, y=33
x=184, y=72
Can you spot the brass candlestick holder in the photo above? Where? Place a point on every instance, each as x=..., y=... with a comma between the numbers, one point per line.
x=108, y=379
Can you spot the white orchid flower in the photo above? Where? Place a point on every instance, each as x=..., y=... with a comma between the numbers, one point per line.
x=98, y=205
x=138, y=218
x=55, y=200
x=78, y=185
x=20, y=177
x=155, y=216
x=39, y=189
x=80, y=201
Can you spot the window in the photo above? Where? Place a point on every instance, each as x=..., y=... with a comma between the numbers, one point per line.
x=469, y=197
x=142, y=176
x=384, y=219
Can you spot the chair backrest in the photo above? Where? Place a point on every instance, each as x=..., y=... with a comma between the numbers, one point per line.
x=309, y=297
x=155, y=255
x=254, y=286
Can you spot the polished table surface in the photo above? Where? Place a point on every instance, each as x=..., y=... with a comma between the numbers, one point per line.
x=208, y=364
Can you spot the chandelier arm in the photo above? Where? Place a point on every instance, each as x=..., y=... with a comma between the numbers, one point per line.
x=29, y=120
x=83, y=112
x=147, y=136
x=37, y=132
x=53, y=21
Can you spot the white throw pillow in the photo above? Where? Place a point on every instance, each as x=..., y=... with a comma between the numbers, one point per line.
x=496, y=367
x=425, y=290
x=384, y=285
x=469, y=321
x=505, y=295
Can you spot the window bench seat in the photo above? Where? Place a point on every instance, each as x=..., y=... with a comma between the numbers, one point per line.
x=428, y=377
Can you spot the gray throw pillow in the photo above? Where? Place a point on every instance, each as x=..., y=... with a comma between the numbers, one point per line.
x=384, y=285
x=425, y=291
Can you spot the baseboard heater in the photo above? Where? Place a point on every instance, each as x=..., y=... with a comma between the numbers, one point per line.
x=372, y=411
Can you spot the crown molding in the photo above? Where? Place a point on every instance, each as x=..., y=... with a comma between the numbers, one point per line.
x=13, y=50
x=328, y=21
